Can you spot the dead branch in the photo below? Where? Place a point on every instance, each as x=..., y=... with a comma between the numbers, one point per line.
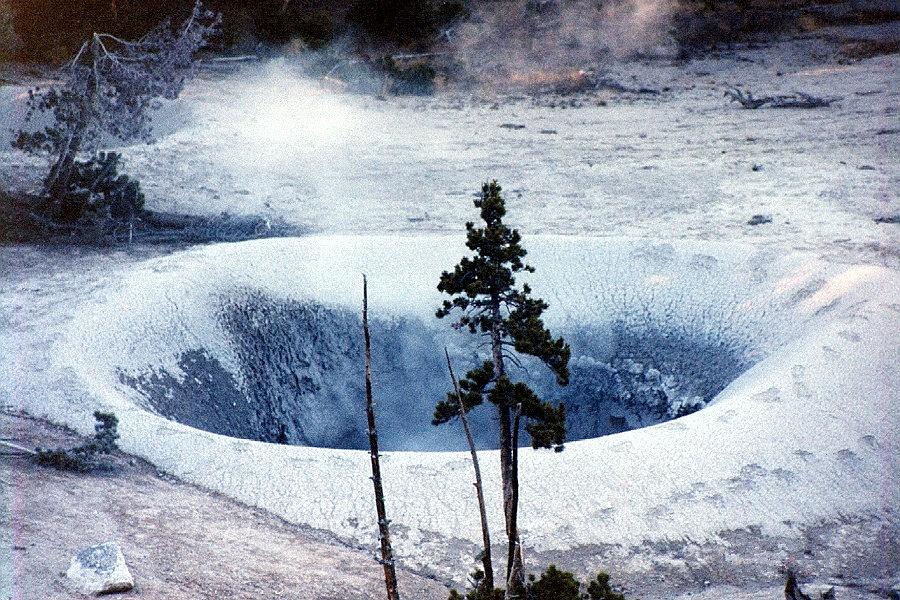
x=795, y=100
x=17, y=449
x=387, y=553
x=486, y=560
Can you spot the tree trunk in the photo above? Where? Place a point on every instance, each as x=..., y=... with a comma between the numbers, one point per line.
x=515, y=578
x=387, y=554
x=515, y=585
x=56, y=184
x=485, y=531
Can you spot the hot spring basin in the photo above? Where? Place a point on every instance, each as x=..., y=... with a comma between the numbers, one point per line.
x=801, y=428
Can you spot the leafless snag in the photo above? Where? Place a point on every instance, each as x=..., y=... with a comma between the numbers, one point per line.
x=486, y=560
x=387, y=554
x=792, y=589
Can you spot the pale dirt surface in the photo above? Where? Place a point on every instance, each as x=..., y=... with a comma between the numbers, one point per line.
x=180, y=542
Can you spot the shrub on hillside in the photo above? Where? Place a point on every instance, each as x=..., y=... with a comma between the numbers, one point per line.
x=87, y=456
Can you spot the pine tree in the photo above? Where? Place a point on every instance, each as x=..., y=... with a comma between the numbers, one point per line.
x=489, y=304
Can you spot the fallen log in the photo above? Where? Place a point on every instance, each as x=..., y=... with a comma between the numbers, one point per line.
x=795, y=100
x=16, y=449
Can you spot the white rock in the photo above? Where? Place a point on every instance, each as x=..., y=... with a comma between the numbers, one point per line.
x=100, y=569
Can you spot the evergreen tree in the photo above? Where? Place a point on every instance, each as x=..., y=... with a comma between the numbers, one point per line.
x=489, y=304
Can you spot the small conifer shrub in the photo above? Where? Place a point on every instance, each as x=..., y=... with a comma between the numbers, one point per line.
x=552, y=584
x=99, y=193
x=87, y=456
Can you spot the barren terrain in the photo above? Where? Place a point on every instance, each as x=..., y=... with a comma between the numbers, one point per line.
x=678, y=163
x=181, y=542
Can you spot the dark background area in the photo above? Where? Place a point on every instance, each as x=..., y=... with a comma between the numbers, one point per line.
x=51, y=30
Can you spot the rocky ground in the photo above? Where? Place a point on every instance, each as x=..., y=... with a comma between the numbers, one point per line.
x=183, y=542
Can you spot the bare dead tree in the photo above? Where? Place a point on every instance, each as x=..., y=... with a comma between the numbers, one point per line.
x=387, y=553
x=792, y=589
x=479, y=490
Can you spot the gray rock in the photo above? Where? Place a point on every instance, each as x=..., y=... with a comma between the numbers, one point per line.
x=759, y=220
x=816, y=591
x=100, y=569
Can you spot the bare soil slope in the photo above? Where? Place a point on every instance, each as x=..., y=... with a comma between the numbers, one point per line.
x=180, y=542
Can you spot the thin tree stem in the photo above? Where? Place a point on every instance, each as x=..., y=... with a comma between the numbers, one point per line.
x=387, y=553
x=515, y=568
x=485, y=531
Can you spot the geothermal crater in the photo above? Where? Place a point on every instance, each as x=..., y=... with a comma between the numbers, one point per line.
x=298, y=379
x=273, y=353
x=212, y=356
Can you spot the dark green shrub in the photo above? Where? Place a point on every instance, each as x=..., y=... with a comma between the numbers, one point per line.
x=416, y=79
x=87, y=456
x=599, y=589
x=554, y=585
x=98, y=190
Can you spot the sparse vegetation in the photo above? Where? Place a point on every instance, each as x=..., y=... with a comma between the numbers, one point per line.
x=98, y=193
x=88, y=456
x=552, y=584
